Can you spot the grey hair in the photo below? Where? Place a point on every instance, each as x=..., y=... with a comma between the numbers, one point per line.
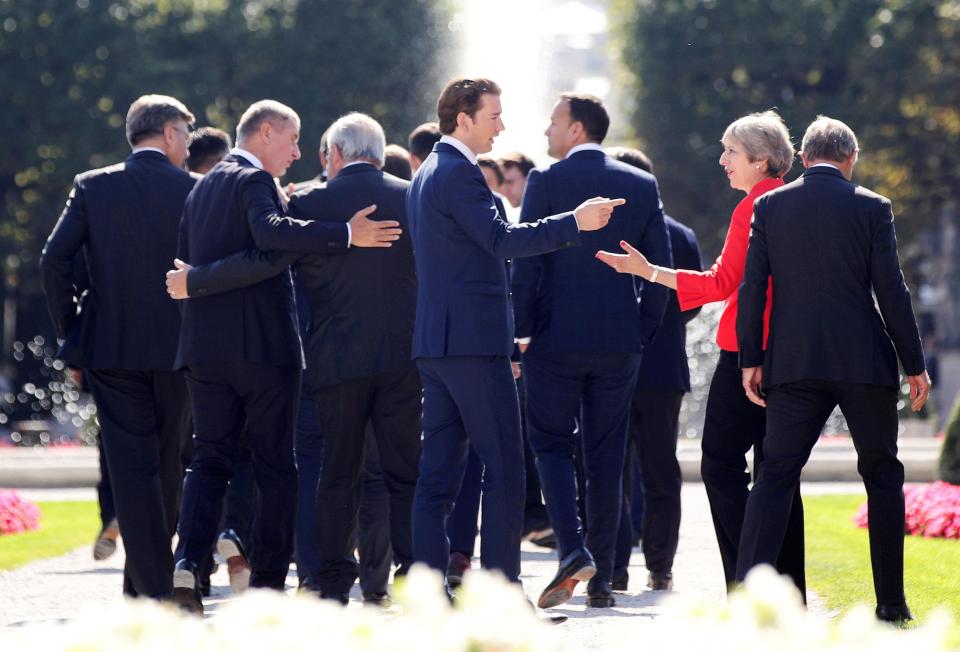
x=264, y=111
x=149, y=114
x=765, y=137
x=358, y=137
x=830, y=140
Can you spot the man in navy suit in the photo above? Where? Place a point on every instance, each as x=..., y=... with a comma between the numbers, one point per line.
x=463, y=336
x=841, y=317
x=242, y=348
x=662, y=380
x=582, y=328
x=122, y=330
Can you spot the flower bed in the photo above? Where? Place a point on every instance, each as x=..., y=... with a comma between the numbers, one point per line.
x=932, y=510
x=17, y=514
x=491, y=616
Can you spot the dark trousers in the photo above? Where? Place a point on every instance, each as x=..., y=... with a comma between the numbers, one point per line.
x=654, y=429
x=597, y=388
x=534, y=511
x=376, y=552
x=796, y=413
x=731, y=427
x=228, y=399
x=104, y=489
x=392, y=402
x=470, y=401
x=462, y=523
x=144, y=421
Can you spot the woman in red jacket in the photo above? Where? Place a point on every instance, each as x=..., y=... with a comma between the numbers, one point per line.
x=757, y=153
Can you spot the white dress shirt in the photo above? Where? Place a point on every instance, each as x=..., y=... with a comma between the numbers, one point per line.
x=463, y=149
x=585, y=147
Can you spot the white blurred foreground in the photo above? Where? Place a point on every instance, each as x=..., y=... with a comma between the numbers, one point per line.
x=491, y=615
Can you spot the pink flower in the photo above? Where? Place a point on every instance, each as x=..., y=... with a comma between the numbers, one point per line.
x=17, y=514
x=931, y=510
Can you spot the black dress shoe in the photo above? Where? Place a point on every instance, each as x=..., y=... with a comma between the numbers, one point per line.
x=379, y=599
x=576, y=567
x=342, y=598
x=894, y=613
x=660, y=581
x=186, y=588
x=620, y=579
x=547, y=540
x=599, y=594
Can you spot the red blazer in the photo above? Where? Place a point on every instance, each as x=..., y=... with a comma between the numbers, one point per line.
x=721, y=281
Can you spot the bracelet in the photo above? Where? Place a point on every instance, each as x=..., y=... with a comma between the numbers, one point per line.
x=656, y=272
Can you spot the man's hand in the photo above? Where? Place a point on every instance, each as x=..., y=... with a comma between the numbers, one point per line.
x=632, y=262
x=523, y=346
x=919, y=390
x=365, y=232
x=517, y=371
x=177, y=279
x=752, y=379
x=594, y=214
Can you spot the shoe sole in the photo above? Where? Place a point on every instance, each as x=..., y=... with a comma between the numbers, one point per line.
x=185, y=598
x=563, y=591
x=238, y=568
x=104, y=547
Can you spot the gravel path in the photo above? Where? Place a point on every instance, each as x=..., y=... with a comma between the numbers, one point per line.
x=59, y=588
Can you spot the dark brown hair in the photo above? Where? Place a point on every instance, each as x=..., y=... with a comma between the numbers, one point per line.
x=517, y=160
x=462, y=95
x=589, y=111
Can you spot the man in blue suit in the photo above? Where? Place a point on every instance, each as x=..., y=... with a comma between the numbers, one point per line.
x=122, y=330
x=242, y=348
x=662, y=380
x=582, y=328
x=463, y=335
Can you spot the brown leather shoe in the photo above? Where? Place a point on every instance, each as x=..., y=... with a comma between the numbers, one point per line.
x=660, y=581
x=106, y=543
x=186, y=593
x=238, y=568
x=576, y=567
x=459, y=565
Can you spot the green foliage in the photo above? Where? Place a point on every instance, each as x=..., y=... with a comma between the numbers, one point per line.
x=889, y=68
x=838, y=560
x=950, y=453
x=71, y=69
x=63, y=527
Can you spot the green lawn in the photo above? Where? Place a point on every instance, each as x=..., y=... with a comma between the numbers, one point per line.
x=838, y=560
x=63, y=527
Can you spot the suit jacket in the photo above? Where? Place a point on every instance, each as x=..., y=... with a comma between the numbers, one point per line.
x=123, y=218
x=828, y=245
x=460, y=242
x=664, y=362
x=566, y=300
x=357, y=310
x=236, y=208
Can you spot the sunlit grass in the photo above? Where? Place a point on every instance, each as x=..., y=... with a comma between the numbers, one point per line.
x=63, y=527
x=838, y=561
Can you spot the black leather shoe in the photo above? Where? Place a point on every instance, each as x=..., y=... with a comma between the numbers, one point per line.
x=894, y=613
x=342, y=598
x=379, y=599
x=576, y=567
x=186, y=588
x=620, y=579
x=599, y=594
x=660, y=581
x=546, y=541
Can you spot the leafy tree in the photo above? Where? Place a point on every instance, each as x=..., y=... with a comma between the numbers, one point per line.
x=889, y=68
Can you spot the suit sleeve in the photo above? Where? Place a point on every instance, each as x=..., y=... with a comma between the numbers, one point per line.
x=58, y=258
x=686, y=255
x=470, y=204
x=752, y=300
x=654, y=243
x=526, y=271
x=893, y=296
x=239, y=270
x=272, y=230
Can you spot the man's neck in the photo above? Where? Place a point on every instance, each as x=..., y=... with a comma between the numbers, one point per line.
x=152, y=143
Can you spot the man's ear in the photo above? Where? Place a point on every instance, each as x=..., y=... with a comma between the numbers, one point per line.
x=803, y=159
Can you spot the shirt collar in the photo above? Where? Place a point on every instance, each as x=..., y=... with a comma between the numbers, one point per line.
x=137, y=150
x=826, y=165
x=346, y=165
x=584, y=147
x=459, y=146
x=239, y=151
